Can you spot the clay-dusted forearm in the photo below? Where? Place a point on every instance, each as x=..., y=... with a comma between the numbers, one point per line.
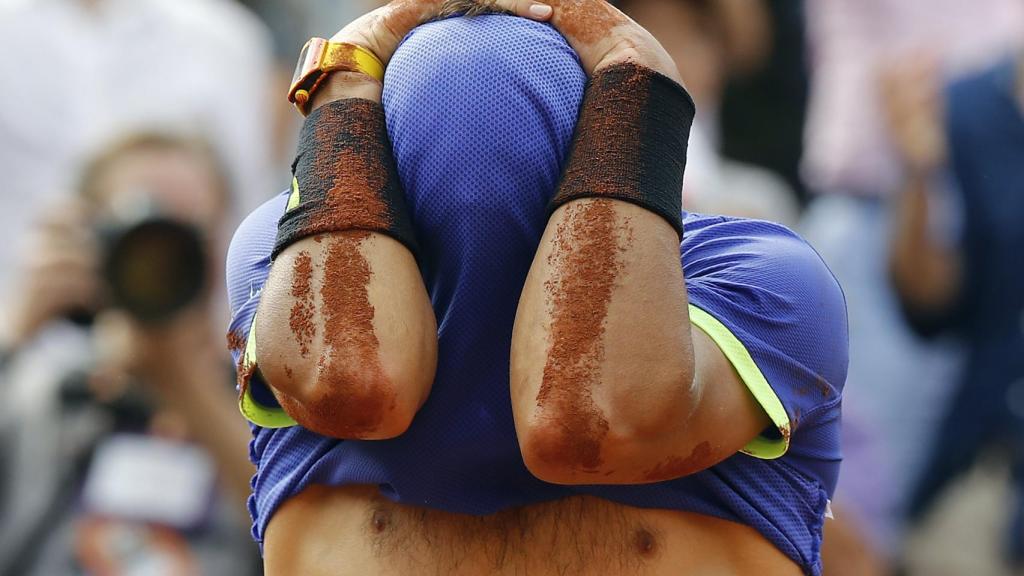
x=403, y=325
x=347, y=338
x=602, y=359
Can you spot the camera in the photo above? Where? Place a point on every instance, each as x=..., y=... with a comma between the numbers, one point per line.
x=154, y=266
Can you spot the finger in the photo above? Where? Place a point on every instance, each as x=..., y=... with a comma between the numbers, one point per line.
x=77, y=278
x=531, y=9
x=64, y=231
x=73, y=246
x=61, y=258
x=65, y=210
x=80, y=293
x=55, y=297
x=52, y=273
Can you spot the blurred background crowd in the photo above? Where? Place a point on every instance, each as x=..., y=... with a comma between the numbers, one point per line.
x=135, y=134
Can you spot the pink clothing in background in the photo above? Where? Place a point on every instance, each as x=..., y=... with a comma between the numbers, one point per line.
x=850, y=41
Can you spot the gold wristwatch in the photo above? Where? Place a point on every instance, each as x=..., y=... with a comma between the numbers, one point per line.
x=319, y=58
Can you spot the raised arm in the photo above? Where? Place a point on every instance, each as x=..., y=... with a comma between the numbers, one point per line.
x=925, y=271
x=610, y=382
x=345, y=335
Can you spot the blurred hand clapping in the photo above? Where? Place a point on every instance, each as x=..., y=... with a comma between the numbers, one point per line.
x=912, y=102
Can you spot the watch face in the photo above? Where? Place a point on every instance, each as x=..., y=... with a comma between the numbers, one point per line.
x=309, y=59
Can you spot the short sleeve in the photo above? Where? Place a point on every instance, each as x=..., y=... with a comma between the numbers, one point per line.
x=247, y=268
x=779, y=316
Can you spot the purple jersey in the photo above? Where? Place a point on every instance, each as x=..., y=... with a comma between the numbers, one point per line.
x=481, y=114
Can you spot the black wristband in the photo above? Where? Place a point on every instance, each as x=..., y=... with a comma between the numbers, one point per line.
x=345, y=177
x=630, y=142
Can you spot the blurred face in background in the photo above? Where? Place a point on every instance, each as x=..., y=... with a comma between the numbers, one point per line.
x=185, y=184
x=160, y=205
x=690, y=32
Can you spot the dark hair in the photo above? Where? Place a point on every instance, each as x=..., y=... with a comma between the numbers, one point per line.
x=90, y=182
x=469, y=8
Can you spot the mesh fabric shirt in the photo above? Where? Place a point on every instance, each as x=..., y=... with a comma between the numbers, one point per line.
x=481, y=114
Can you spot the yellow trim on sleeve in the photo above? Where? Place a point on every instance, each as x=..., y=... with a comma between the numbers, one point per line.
x=293, y=198
x=739, y=357
x=258, y=414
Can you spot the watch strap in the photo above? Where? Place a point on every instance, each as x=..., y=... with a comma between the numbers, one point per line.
x=343, y=56
x=332, y=57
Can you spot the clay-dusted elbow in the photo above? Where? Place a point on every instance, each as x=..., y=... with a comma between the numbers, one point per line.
x=554, y=453
x=339, y=365
x=351, y=406
x=572, y=441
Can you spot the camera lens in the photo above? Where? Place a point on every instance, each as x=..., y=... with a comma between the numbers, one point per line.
x=155, y=268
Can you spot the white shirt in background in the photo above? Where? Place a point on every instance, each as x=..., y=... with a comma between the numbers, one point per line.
x=73, y=77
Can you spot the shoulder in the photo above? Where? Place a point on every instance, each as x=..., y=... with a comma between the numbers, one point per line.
x=771, y=288
x=777, y=313
x=248, y=258
x=764, y=254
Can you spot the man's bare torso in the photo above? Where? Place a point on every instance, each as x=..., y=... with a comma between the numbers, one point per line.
x=355, y=531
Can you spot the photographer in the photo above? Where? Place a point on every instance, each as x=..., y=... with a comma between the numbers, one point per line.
x=132, y=259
